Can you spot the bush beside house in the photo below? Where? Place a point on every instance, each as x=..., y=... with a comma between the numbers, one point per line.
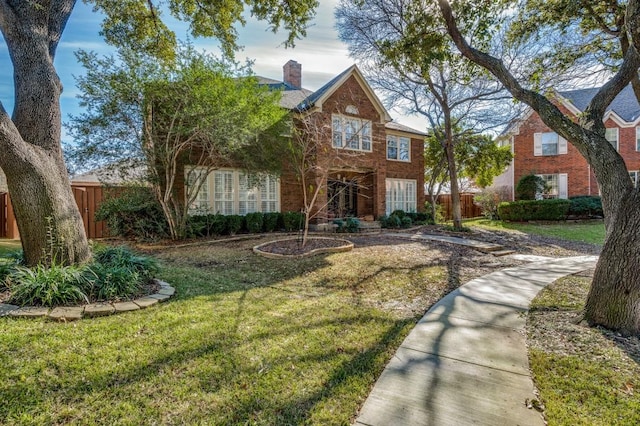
x=552, y=209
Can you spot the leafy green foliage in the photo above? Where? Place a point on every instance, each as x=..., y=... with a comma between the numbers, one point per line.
x=552, y=209
x=47, y=285
x=350, y=225
x=271, y=221
x=488, y=201
x=293, y=221
x=254, y=222
x=138, y=24
x=234, y=223
x=402, y=219
x=586, y=206
x=112, y=282
x=123, y=257
x=530, y=187
x=133, y=212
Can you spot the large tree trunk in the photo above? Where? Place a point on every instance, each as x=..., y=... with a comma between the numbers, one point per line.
x=614, y=298
x=50, y=224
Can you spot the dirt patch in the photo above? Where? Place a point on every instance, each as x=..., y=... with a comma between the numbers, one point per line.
x=294, y=247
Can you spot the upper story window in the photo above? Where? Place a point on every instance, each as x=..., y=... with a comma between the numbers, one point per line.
x=351, y=133
x=398, y=148
x=611, y=134
x=637, y=138
x=634, y=175
x=549, y=143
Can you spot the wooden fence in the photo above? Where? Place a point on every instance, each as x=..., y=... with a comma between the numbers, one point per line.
x=468, y=209
x=88, y=199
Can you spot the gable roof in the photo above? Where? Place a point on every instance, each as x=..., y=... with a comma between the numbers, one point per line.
x=625, y=106
x=402, y=128
x=301, y=100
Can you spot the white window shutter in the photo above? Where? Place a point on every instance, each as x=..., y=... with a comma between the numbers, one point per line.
x=537, y=144
x=563, y=186
x=562, y=145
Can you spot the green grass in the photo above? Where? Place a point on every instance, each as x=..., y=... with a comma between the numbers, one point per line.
x=588, y=232
x=7, y=246
x=585, y=376
x=247, y=340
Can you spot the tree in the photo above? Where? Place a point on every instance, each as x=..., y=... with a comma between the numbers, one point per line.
x=477, y=158
x=615, y=291
x=179, y=120
x=530, y=187
x=387, y=36
x=30, y=139
x=312, y=158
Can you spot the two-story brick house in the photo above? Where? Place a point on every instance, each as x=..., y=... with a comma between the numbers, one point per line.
x=380, y=167
x=537, y=149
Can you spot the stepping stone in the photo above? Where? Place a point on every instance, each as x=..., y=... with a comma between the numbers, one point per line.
x=160, y=297
x=169, y=291
x=30, y=312
x=145, y=302
x=63, y=313
x=6, y=309
x=125, y=306
x=163, y=284
x=99, y=309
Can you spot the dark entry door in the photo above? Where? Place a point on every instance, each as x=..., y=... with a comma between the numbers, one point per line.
x=343, y=198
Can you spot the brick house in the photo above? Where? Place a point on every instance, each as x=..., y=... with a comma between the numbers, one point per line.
x=380, y=167
x=537, y=149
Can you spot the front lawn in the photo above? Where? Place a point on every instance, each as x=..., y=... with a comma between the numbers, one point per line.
x=588, y=232
x=247, y=340
x=7, y=246
x=585, y=376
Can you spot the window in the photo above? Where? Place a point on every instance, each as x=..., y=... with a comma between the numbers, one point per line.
x=401, y=195
x=196, y=178
x=548, y=143
x=634, y=178
x=247, y=196
x=351, y=133
x=234, y=192
x=637, y=138
x=223, y=192
x=611, y=135
x=398, y=148
x=552, y=186
x=557, y=185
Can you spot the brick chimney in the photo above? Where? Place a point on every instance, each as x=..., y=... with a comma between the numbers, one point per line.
x=292, y=74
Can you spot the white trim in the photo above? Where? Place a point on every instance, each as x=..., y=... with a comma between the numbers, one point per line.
x=400, y=190
x=398, y=141
x=563, y=186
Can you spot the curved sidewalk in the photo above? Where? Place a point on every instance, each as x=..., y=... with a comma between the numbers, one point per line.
x=465, y=362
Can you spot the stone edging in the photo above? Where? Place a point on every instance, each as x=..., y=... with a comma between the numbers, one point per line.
x=346, y=247
x=71, y=313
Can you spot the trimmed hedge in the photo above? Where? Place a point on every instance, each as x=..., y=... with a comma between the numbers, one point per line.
x=586, y=206
x=517, y=211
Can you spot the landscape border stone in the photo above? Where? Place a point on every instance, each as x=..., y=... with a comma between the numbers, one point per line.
x=348, y=246
x=91, y=310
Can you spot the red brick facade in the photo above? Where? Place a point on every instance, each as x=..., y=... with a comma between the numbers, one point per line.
x=580, y=178
x=372, y=168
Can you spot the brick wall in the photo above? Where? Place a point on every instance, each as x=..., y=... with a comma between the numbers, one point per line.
x=581, y=180
x=373, y=166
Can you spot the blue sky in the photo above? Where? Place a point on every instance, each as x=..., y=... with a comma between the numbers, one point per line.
x=321, y=54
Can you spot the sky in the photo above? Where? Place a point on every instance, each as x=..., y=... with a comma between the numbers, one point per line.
x=321, y=54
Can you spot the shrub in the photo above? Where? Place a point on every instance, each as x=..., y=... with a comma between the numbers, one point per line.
x=254, y=222
x=234, y=224
x=350, y=224
x=133, y=213
x=530, y=187
x=108, y=282
x=534, y=210
x=123, y=257
x=585, y=206
x=406, y=222
x=399, y=213
x=292, y=221
x=271, y=221
x=488, y=201
x=391, y=221
x=47, y=286
x=420, y=218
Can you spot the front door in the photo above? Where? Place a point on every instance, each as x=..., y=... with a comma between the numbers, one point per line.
x=343, y=198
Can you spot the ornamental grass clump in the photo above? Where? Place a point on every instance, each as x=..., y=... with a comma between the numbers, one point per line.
x=47, y=285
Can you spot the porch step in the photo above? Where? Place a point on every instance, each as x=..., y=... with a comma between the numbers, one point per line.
x=502, y=252
x=369, y=226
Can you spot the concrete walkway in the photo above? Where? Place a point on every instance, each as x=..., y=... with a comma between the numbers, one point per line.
x=482, y=246
x=465, y=362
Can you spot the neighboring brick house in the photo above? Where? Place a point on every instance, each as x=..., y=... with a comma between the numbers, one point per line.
x=537, y=149
x=386, y=173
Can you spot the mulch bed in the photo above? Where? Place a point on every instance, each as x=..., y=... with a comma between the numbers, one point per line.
x=294, y=246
